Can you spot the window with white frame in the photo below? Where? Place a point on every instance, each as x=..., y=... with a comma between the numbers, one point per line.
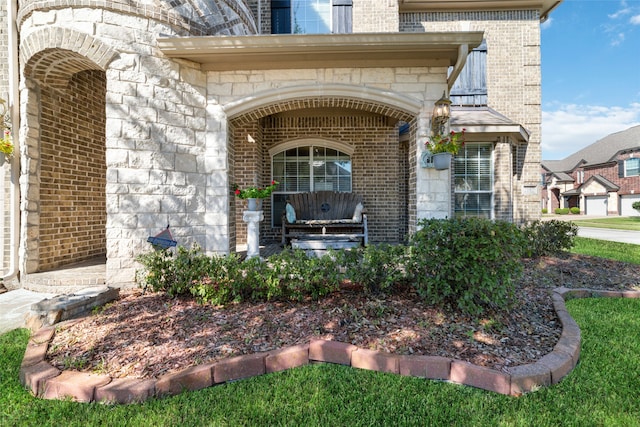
x=632, y=167
x=473, y=177
x=308, y=168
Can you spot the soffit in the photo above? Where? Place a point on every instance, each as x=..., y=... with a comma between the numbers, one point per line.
x=293, y=51
x=544, y=6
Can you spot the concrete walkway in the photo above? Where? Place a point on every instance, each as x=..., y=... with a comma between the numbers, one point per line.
x=14, y=305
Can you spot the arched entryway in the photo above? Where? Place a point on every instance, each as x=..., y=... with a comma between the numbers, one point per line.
x=64, y=202
x=366, y=132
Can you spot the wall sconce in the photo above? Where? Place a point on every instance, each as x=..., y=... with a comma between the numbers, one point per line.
x=441, y=115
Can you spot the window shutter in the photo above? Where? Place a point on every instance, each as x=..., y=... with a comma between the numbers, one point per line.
x=342, y=16
x=280, y=16
x=620, y=168
x=470, y=88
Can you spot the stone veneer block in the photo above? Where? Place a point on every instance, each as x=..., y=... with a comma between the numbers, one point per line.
x=631, y=294
x=43, y=335
x=481, y=377
x=126, y=390
x=34, y=354
x=331, y=352
x=432, y=367
x=559, y=363
x=569, y=343
x=287, y=358
x=610, y=294
x=192, y=378
x=80, y=386
x=375, y=361
x=235, y=368
x=526, y=378
x=34, y=377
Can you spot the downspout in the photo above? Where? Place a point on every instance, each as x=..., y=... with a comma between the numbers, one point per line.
x=463, y=52
x=14, y=108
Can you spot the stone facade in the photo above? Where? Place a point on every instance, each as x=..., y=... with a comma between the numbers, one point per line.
x=118, y=139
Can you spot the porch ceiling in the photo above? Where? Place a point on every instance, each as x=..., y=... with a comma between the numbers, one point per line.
x=294, y=51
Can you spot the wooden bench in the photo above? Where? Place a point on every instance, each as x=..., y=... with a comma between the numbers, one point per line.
x=326, y=216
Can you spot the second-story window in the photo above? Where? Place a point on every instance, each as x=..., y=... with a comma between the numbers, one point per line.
x=311, y=16
x=632, y=167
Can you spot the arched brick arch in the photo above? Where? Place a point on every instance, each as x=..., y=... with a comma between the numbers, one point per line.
x=385, y=103
x=52, y=55
x=185, y=17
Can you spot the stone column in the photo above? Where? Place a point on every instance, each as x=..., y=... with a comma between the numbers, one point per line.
x=253, y=218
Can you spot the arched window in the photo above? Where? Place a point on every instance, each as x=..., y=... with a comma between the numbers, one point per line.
x=304, y=168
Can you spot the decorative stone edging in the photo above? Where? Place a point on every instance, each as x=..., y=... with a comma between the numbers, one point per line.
x=47, y=382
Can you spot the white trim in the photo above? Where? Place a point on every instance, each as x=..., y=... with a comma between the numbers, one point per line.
x=311, y=141
x=258, y=100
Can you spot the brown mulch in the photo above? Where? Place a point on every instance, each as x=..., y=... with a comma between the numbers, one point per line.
x=148, y=335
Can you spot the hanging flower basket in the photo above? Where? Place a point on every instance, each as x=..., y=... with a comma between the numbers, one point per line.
x=442, y=161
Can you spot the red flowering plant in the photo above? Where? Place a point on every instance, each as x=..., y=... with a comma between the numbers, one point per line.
x=255, y=192
x=450, y=143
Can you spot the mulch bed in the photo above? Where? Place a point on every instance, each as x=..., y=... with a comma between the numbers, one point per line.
x=149, y=335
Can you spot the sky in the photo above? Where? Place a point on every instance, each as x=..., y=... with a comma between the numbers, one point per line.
x=590, y=73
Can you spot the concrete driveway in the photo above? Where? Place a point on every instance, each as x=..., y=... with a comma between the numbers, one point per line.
x=623, y=236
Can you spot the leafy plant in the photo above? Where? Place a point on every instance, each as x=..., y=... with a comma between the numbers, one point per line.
x=6, y=144
x=562, y=211
x=378, y=268
x=636, y=205
x=450, y=143
x=574, y=210
x=549, y=237
x=255, y=192
x=469, y=263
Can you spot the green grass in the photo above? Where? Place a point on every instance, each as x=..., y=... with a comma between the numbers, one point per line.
x=603, y=390
x=619, y=223
x=605, y=249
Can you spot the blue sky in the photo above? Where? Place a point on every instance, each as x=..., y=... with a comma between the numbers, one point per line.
x=590, y=73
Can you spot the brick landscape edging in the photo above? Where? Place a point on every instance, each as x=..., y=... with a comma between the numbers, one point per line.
x=46, y=381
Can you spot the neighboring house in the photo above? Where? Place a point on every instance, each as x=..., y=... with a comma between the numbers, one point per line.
x=135, y=114
x=601, y=179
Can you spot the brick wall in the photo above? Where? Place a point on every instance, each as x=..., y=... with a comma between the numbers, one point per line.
x=5, y=172
x=513, y=83
x=375, y=16
x=376, y=163
x=72, y=189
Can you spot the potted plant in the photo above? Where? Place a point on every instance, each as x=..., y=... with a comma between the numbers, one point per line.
x=443, y=147
x=254, y=195
x=6, y=147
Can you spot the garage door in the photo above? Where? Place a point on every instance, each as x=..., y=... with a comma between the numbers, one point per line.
x=625, y=205
x=597, y=206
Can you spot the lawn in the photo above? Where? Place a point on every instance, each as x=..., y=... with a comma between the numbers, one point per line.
x=603, y=390
x=605, y=249
x=620, y=223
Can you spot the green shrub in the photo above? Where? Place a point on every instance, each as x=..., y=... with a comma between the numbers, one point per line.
x=549, y=237
x=470, y=263
x=575, y=210
x=562, y=211
x=296, y=276
x=378, y=268
x=636, y=205
x=545, y=210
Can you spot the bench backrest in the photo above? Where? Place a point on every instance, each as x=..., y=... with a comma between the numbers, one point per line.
x=324, y=205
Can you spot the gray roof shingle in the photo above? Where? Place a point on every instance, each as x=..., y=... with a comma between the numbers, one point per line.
x=602, y=151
